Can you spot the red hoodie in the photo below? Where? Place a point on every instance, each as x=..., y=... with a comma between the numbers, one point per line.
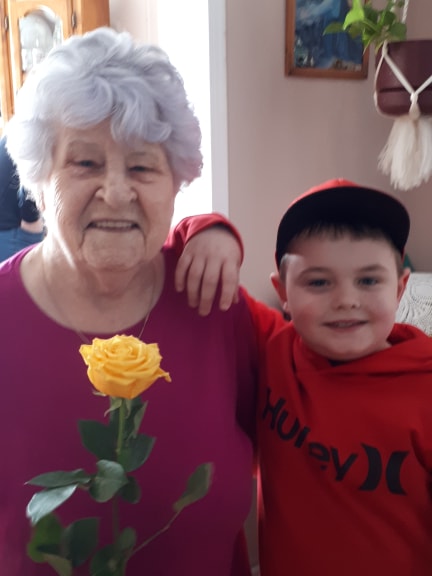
x=345, y=456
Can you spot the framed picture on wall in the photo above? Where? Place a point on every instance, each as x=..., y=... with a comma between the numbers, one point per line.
x=308, y=52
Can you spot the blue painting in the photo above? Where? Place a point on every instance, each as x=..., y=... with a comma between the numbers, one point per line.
x=312, y=49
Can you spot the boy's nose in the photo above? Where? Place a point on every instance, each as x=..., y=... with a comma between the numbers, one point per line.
x=346, y=297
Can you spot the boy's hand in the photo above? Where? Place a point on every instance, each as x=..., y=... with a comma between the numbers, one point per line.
x=210, y=257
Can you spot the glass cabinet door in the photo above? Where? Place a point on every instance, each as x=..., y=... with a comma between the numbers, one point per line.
x=28, y=31
x=39, y=31
x=35, y=28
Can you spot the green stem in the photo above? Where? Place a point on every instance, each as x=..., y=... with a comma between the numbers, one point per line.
x=156, y=534
x=122, y=420
x=119, y=447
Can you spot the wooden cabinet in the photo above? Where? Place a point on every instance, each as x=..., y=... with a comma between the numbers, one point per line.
x=29, y=29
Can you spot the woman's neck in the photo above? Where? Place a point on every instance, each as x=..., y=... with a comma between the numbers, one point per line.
x=91, y=300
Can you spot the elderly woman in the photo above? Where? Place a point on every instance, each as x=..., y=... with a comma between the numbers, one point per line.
x=104, y=137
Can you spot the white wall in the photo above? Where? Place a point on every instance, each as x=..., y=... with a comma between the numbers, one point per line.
x=135, y=16
x=289, y=133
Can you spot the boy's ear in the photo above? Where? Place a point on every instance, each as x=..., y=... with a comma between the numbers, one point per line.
x=279, y=286
x=402, y=283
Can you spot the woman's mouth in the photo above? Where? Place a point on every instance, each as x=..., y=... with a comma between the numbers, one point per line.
x=113, y=225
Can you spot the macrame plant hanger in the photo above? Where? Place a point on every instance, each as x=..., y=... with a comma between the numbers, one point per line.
x=407, y=155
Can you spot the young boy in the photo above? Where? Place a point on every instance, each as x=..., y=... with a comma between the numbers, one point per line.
x=345, y=401
x=345, y=405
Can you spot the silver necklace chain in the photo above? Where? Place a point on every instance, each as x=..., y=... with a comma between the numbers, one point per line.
x=82, y=336
x=86, y=340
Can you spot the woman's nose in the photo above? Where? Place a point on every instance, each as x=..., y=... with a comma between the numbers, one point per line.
x=116, y=188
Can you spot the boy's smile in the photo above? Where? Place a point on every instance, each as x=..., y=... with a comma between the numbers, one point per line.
x=342, y=294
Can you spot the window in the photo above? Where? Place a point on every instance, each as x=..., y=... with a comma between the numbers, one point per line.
x=192, y=33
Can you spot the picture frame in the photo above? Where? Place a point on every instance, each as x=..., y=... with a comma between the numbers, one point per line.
x=310, y=53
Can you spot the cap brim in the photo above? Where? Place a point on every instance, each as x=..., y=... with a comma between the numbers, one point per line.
x=353, y=205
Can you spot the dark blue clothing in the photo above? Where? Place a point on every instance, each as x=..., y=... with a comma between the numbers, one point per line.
x=15, y=205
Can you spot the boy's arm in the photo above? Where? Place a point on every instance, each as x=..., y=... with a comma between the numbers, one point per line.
x=190, y=226
x=267, y=321
x=210, y=253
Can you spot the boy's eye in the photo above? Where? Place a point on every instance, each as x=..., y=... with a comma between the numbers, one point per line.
x=368, y=281
x=318, y=282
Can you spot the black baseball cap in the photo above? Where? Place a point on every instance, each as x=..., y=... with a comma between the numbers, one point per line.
x=343, y=202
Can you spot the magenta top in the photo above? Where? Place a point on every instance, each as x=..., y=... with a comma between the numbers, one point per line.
x=206, y=414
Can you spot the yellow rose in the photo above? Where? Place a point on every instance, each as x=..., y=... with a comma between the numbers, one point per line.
x=122, y=366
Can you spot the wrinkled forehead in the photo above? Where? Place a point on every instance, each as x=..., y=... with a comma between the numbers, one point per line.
x=99, y=138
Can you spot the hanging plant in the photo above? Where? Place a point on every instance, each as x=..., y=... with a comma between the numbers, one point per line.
x=402, y=87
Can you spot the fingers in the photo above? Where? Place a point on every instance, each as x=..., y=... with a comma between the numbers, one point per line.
x=208, y=289
x=209, y=260
x=204, y=279
x=195, y=280
x=181, y=271
x=229, y=285
x=201, y=278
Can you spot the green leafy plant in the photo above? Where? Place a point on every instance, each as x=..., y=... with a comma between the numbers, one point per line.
x=372, y=25
x=124, y=366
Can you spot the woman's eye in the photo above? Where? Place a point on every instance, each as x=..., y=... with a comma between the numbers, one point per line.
x=140, y=168
x=86, y=163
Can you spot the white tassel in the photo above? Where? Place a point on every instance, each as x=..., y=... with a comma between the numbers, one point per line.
x=407, y=156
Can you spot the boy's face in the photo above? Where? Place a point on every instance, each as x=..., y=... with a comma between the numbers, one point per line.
x=342, y=294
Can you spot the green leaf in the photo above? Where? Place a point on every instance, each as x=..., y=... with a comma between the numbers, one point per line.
x=108, y=480
x=47, y=532
x=398, y=31
x=131, y=492
x=46, y=501
x=98, y=438
x=127, y=540
x=60, y=478
x=61, y=565
x=355, y=30
x=115, y=404
x=387, y=19
x=137, y=414
x=333, y=28
x=44, y=547
x=136, y=452
x=105, y=563
x=371, y=14
x=134, y=415
x=197, y=487
x=355, y=14
x=80, y=539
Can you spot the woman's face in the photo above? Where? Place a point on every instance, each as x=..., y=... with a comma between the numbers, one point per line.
x=108, y=206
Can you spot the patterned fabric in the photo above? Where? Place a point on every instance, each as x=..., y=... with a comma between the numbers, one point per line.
x=415, y=307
